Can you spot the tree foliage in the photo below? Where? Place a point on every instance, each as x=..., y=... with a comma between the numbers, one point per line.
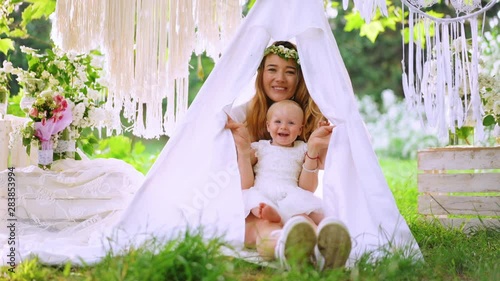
x=24, y=23
x=12, y=27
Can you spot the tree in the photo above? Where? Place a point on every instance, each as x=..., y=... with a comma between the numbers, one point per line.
x=24, y=23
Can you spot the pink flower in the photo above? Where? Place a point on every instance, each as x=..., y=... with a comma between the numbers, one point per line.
x=33, y=112
x=58, y=99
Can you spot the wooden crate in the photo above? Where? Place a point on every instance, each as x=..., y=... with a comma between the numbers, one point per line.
x=460, y=186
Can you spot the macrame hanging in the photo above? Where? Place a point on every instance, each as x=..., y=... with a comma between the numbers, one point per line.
x=440, y=72
x=148, y=45
x=367, y=8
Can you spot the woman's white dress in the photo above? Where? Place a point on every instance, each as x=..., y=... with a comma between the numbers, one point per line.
x=276, y=180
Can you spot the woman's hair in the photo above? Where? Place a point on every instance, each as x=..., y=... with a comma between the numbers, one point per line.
x=260, y=103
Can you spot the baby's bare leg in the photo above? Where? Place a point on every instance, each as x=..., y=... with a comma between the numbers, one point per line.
x=257, y=212
x=316, y=217
x=269, y=213
x=266, y=212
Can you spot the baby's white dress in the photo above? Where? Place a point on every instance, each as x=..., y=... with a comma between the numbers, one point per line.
x=276, y=180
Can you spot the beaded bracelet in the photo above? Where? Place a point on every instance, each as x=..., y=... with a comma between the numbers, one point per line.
x=307, y=170
x=315, y=158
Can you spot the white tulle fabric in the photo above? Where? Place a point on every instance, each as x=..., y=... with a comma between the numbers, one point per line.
x=63, y=213
x=195, y=181
x=276, y=181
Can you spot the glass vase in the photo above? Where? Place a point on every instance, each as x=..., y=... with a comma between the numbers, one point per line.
x=66, y=146
x=45, y=155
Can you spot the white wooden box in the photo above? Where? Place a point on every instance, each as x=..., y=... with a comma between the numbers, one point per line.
x=460, y=186
x=16, y=156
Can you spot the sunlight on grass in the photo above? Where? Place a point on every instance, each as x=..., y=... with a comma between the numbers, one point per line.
x=401, y=176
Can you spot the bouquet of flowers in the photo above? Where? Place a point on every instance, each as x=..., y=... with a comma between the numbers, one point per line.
x=49, y=115
x=68, y=78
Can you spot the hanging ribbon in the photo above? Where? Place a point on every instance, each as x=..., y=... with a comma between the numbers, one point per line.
x=441, y=81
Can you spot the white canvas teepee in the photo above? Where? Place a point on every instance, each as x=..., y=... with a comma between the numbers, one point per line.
x=195, y=181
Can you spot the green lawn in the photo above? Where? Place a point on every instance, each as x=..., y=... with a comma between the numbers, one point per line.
x=449, y=254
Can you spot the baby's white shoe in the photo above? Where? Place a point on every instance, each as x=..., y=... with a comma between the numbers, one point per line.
x=296, y=243
x=334, y=244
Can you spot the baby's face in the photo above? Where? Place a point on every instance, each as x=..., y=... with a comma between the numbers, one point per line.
x=285, y=125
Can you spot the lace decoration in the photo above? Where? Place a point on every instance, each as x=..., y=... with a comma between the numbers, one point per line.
x=420, y=4
x=45, y=157
x=466, y=6
x=65, y=146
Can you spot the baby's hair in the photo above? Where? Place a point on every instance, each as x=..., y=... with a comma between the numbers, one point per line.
x=284, y=103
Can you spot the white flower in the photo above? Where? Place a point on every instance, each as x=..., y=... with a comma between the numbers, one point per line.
x=96, y=115
x=93, y=94
x=71, y=56
x=496, y=107
x=53, y=82
x=78, y=112
x=45, y=74
x=47, y=94
x=28, y=50
x=7, y=67
x=60, y=64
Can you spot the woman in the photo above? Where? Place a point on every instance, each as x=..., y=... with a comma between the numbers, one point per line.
x=279, y=78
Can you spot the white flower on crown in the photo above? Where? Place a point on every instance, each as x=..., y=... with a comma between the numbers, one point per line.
x=283, y=52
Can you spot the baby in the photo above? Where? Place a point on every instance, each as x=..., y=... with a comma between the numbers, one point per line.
x=285, y=175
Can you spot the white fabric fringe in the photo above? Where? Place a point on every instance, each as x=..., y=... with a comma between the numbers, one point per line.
x=441, y=82
x=77, y=24
x=148, y=45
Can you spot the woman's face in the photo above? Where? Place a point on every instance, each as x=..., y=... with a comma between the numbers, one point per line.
x=280, y=78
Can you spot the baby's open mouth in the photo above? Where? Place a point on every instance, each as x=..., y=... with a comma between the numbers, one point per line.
x=283, y=135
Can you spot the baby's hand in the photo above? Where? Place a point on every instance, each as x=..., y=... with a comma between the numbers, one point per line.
x=323, y=123
x=320, y=138
x=240, y=134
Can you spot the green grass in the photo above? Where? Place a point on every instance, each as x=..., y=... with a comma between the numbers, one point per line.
x=449, y=254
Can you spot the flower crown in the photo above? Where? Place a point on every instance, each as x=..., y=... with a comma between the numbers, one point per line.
x=283, y=52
